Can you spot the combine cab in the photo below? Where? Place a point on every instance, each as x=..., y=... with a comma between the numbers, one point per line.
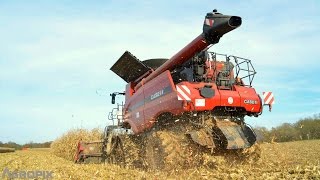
x=179, y=108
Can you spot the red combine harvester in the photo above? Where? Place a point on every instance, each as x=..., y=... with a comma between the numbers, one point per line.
x=179, y=108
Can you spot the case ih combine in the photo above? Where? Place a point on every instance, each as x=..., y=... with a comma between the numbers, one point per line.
x=179, y=108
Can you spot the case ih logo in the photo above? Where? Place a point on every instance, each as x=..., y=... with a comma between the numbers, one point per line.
x=157, y=94
x=249, y=101
x=183, y=92
x=268, y=98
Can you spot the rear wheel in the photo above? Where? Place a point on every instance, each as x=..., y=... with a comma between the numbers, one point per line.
x=252, y=154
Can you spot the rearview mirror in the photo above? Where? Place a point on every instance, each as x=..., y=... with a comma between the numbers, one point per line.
x=113, y=98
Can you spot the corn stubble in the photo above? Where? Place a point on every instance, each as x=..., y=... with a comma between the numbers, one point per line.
x=293, y=160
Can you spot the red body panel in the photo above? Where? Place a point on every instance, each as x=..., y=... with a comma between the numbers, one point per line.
x=229, y=98
x=236, y=97
x=156, y=97
x=161, y=96
x=249, y=94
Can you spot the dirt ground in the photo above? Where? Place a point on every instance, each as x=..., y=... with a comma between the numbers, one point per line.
x=293, y=160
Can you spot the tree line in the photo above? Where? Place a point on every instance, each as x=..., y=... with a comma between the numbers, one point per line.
x=304, y=129
x=11, y=144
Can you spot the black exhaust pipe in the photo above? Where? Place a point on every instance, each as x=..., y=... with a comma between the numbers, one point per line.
x=216, y=25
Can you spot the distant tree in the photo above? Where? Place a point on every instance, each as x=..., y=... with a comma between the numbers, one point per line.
x=285, y=132
x=304, y=129
x=38, y=145
x=309, y=128
x=263, y=134
x=11, y=144
x=31, y=144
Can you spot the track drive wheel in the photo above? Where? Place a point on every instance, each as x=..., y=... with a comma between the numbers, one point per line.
x=132, y=151
x=167, y=149
x=116, y=155
x=154, y=152
x=252, y=154
x=241, y=156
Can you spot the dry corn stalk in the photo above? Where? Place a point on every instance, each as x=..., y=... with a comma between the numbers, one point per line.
x=66, y=145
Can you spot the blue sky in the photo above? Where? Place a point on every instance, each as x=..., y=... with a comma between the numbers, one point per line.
x=55, y=56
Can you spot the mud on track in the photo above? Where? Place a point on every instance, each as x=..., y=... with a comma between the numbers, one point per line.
x=279, y=161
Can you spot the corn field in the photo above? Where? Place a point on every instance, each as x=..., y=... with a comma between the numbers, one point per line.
x=292, y=160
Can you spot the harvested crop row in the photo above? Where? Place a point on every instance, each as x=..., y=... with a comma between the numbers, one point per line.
x=6, y=150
